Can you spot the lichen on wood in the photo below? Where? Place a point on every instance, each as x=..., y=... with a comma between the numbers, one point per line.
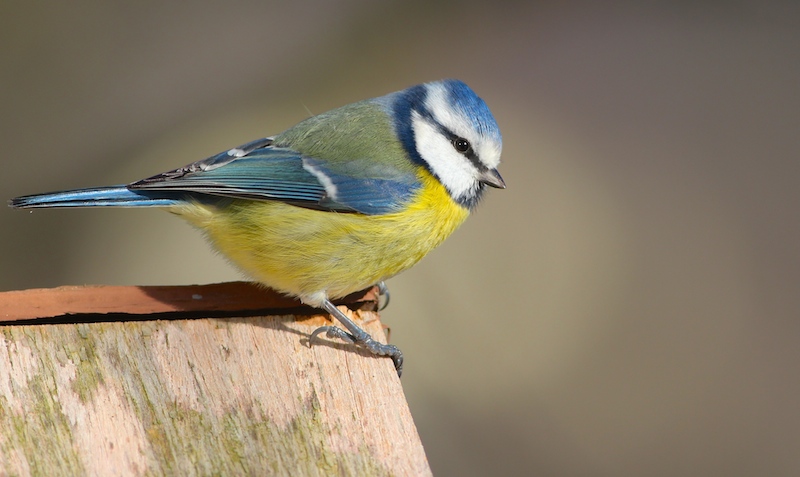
x=212, y=396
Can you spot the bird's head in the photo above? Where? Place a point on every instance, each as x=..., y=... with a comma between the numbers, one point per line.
x=445, y=127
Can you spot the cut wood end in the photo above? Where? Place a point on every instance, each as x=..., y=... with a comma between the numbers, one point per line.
x=219, y=298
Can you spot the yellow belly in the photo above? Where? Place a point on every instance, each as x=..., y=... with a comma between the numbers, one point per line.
x=314, y=254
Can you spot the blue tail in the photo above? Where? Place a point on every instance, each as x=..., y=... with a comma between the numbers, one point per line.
x=112, y=196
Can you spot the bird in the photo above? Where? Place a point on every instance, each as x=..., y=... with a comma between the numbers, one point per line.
x=337, y=203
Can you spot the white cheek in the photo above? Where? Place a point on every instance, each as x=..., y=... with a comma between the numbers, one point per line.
x=457, y=174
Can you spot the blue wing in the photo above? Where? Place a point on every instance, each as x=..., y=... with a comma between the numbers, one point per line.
x=260, y=171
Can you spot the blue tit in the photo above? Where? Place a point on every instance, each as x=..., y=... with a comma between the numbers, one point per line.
x=337, y=203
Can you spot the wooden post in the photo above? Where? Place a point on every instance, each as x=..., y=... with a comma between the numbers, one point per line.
x=195, y=380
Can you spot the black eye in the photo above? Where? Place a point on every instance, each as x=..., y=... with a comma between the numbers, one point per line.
x=461, y=145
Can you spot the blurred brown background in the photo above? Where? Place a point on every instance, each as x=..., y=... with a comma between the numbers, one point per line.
x=628, y=306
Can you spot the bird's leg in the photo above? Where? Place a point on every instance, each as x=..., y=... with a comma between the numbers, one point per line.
x=357, y=336
x=383, y=291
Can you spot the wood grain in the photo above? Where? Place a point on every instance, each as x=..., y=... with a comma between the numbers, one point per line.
x=209, y=396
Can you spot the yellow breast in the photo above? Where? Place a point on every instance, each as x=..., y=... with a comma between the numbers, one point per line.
x=306, y=252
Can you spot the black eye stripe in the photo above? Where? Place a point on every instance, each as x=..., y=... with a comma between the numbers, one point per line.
x=469, y=153
x=452, y=137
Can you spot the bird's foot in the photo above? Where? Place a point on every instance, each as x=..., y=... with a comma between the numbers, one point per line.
x=357, y=336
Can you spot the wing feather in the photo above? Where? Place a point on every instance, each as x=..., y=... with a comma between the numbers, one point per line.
x=260, y=171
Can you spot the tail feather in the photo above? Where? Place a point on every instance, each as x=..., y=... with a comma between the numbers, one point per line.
x=112, y=196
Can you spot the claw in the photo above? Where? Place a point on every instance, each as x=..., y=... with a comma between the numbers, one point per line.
x=383, y=290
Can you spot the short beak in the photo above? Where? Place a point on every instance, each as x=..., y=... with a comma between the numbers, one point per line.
x=492, y=178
